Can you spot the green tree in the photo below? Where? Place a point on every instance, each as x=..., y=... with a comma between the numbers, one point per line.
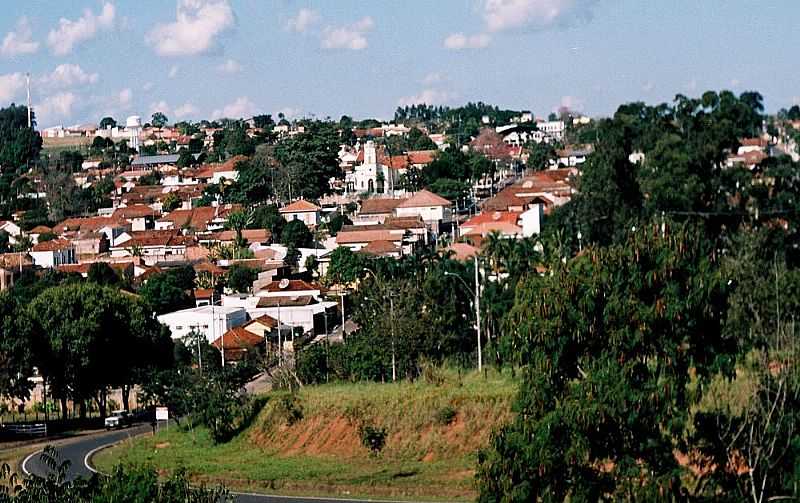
x=295, y=234
x=169, y=290
x=103, y=274
x=336, y=222
x=16, y=357
x=346, y=266
x=268, y=217
x=88, y=338
x=19, y=144
x=171, y=203
x=107, y=122
x=611, y=342
x=159, y=120
x=240, y=278
x=311, y=160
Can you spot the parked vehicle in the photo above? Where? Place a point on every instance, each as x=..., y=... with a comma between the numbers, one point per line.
x=118, y=419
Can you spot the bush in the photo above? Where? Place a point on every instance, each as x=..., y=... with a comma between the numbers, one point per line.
x=373, y=438
x=289, y=407
x=445, y=415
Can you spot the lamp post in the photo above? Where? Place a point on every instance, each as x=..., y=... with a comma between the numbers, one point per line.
x=391, y=319
x=477, y=293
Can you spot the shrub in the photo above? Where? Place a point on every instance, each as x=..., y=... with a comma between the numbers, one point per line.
x=373, y=438
x=289, y=407
x=445, y=415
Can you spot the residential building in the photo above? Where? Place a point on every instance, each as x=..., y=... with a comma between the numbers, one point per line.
x=11, y=266
x=433, y=209
x=209, y=321
x=237, y=344
x=53, y=253
x=302, y=210
x=153, y=246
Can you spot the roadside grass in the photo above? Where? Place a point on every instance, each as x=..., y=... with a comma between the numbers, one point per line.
x=309, y=443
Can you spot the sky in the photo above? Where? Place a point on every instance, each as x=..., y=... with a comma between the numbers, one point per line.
x=196, y=59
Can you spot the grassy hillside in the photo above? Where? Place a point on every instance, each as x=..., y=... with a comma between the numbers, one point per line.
x=312, y=443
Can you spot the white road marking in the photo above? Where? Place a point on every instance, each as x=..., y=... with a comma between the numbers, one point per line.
x=25, y=462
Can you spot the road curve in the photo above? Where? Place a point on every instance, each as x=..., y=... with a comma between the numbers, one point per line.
x=79, y=454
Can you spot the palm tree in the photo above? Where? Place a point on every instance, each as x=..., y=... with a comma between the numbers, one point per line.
x=238, y=221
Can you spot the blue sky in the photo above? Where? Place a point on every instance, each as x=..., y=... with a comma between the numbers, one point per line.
x=197, y=59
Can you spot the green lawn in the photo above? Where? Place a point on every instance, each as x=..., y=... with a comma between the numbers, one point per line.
x=321, y=453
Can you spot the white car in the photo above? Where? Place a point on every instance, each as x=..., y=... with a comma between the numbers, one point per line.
x=118, y=419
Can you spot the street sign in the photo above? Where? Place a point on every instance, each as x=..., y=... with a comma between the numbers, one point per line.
x=162, y=414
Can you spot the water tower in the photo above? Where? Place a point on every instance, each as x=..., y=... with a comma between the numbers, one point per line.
x=134, y=127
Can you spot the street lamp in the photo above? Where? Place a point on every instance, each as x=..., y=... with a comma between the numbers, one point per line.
x=391, y=319
x=477, y=307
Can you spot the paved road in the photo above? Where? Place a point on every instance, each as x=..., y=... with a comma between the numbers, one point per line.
x=80, y=451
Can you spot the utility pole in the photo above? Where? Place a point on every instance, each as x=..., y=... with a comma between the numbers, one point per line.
x=478, y=313
x=391, y=322
x=28, y=85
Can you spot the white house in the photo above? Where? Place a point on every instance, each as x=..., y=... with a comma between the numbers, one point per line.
x=433, y=209
x=552, y=129
x=53, y=253
x=153, y=246
x=210, y=321
x=532, y=219
x=14, y=231
x=302, y=210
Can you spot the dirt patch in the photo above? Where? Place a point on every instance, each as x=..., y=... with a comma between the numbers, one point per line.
x=428, y=458
x=162, y=445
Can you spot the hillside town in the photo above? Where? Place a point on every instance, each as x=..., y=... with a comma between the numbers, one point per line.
x=554, y=272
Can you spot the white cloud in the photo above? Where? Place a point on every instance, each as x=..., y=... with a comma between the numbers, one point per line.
x=241, y=108
x=427, y=96
x=230, y=66
x=304, y=19
x=196, y=27
x=735, y=83
x=55, y=107
x=510, y=14
x=173, y=72
x=147, y=86
x=185, y=110
x=433, y=78
x=62, y=40
x=10, y=87
x=460, y=41
x=648, y=86
x=125, y=98
x=160, y=106
x=351, y=37
x=19, y=42
x=68, y=75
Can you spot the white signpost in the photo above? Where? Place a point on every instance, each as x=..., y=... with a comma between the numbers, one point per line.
x=162, y=414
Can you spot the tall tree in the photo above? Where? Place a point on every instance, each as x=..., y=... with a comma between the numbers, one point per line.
x=611, y=342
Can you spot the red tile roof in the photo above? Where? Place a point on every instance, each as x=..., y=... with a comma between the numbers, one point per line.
x=265, y=319
x=462, y=251
x=155, y=238
x=299, y=206
x=379, y=206
x=381, y=247
x=424, y=198
x=134, y=211
x=488, y=217
x=295, y=285
x=237, y=338
x=53, y=245
x=353, y=235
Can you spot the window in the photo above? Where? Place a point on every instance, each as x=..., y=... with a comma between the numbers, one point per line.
x=179, y=327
